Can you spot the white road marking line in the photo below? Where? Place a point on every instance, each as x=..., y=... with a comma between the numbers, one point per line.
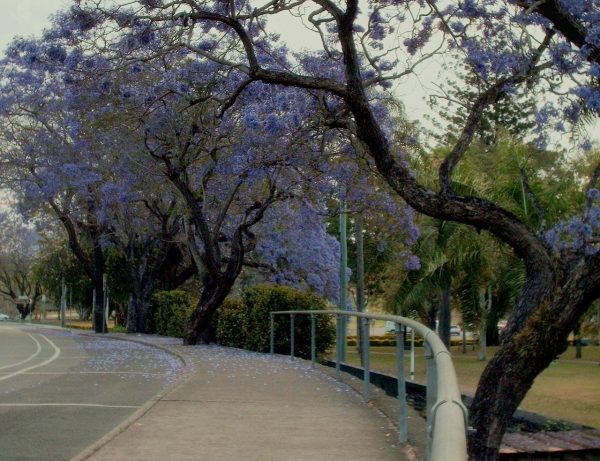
x=31, y=357
x=45, y=362
x=94, y=405
x=71, y=357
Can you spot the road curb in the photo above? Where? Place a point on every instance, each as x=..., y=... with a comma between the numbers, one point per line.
x=106, y=438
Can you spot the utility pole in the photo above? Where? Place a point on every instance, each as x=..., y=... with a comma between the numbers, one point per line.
x=343, y=280
x=360, y=282
x=63, y=303
x=104, y=301
x=94, y=310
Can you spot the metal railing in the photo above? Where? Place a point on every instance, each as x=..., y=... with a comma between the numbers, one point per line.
x=447, y=418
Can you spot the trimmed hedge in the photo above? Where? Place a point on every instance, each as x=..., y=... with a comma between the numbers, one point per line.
x=169, y=313
x=229, y=322
x=246, y=323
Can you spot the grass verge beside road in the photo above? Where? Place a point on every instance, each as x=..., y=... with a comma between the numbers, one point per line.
x=569, y=389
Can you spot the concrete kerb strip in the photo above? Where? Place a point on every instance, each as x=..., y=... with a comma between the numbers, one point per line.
x=182, y=378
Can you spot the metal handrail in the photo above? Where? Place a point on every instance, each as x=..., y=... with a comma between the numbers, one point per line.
x=447, y=417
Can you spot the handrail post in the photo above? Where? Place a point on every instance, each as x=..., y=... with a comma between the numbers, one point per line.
x=272, y=334
x=412, y=354
x=338, y=345
x=402, y=408
x=313, y=340
x=292, y=334
x=366, y=358
x=431, y=394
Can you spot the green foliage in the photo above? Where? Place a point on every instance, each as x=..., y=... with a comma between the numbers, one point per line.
x=229, y=322
x=119, y=329
x=119, y=279
x=246, y=323
x=553, y=425
x=169, y=313
x=56, y=262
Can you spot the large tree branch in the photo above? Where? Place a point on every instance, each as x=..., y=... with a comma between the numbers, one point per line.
x=487, y=98
x=225, y=209
x=476, y=212
x=253, y=264
x=234, y=24
x=74, y=244
x=212, y=256
x=568, y=25
x=300, y=81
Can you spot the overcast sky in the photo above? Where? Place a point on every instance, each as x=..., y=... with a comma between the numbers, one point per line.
x=25, y=17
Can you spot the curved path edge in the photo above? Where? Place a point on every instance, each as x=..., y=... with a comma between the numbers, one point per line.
x=123, y=426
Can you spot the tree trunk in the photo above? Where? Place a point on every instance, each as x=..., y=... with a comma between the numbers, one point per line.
x=24, y=309
x=445, y=316
x=139, y=301
x=502, y=387
x=555, y=304
x=99, y=321
x=131, y=314
x=491, y=334
x=431, y=314
x=199, y=328
x=482, y=354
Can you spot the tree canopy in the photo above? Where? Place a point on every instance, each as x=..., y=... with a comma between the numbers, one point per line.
x=264, y=123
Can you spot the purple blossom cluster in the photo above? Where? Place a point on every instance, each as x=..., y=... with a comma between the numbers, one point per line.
x=315, y=265
x=578, y=233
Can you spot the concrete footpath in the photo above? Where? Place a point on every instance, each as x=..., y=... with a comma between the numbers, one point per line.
x=236, y=405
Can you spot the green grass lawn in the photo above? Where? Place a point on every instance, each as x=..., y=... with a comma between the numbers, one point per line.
x=569, y=389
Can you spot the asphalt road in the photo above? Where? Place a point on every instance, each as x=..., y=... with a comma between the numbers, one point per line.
x=60, y=391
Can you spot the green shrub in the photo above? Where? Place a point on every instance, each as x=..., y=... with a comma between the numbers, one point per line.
x=246, y=323
x=118, y=329
x=229, y=323
x=170, y=311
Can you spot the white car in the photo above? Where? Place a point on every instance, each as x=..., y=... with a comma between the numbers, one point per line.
x=455, y=330
x=4, y=317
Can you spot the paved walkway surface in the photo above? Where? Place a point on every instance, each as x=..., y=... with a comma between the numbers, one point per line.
x=237, y=405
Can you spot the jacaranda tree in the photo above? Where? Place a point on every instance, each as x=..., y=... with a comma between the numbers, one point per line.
x=64, y=152
x=247, y=167
x=550, y=47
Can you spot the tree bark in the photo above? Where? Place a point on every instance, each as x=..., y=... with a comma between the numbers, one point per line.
x=98, y=313
x=528, y=350
x=445, y=316
x=484, y=309
x=199, y=328
x=139, y=301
